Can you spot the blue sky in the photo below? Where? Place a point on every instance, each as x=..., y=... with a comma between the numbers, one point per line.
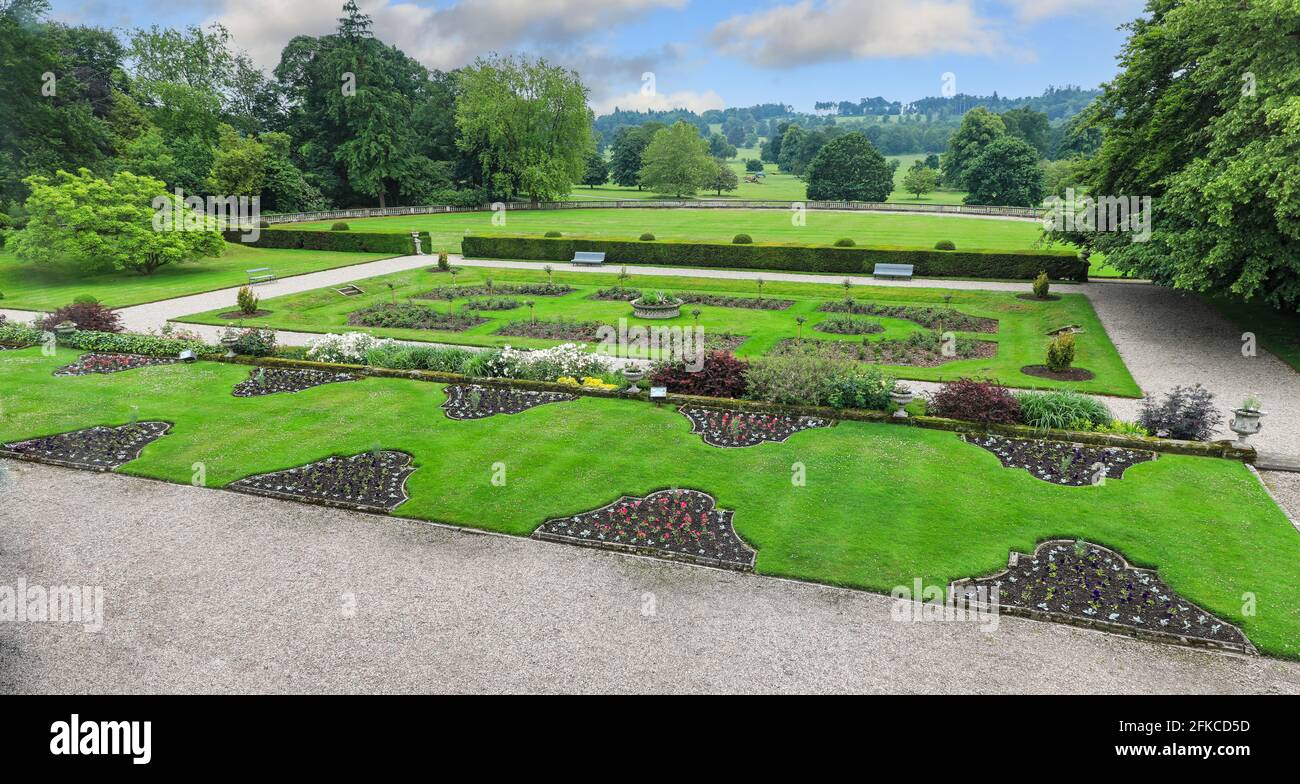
x=707, y=53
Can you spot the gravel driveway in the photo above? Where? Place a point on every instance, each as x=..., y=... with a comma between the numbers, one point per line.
x=207, y=591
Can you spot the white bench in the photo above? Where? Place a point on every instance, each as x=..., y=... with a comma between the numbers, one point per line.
x=893, y=271
x=260, y=275
x=585, y=257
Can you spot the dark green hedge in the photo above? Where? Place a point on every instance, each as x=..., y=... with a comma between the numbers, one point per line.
x=1022, y=265
x=360, y=242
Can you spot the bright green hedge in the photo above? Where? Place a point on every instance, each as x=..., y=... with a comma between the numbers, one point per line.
x=1010, y=264
x=359, y=242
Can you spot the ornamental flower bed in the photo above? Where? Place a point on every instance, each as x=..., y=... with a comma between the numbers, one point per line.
x=845, y=324
x=449, y=293
x=471, y=401
x=1074, y=465
x=95, y=364
x=1089, y=585
x=559, y=329
x=921, y=349
x=273, y=381
x=407, y=315
x=734, y=429
x=368, y=482
x=944, y=319
x=95, y=449
x=620, y=294
x=672, y=524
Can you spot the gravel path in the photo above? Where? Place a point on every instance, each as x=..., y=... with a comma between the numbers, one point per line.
x=207, y=591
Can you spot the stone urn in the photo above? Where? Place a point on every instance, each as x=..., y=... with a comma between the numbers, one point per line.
x=902, y=397
x=1246, y=422
x=656, y=308
x=633, y=374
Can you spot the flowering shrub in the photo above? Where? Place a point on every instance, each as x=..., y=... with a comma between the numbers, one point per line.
x=249, y=342
x=349, y=349
x=975, y=401
x=1186, y=412
x=87, y=315
x=589, y=382
x=570, y=360
x=722, y=375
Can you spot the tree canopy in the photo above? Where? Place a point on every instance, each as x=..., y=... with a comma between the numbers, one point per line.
x=849, y=169
x=677, y=161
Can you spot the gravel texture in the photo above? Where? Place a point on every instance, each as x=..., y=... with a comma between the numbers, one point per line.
x=1285, y=488
x=208, y=591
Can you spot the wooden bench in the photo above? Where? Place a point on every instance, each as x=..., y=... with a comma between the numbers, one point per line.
x=893, y=271
x=584, y=257
x=260, y=275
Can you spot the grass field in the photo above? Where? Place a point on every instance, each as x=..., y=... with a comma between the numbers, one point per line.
x=26, y=287
x=883, y=504
x=867, y=228
x=1022, y=337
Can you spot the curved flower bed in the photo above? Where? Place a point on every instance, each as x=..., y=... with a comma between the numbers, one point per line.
x=620, y=294
x=96, y=364
x=921, y=349
x=449, y=293
x=1075, y=465
x=369, y=482
x=673, y=524
x=407, y=315
x=471, y=401
x=1089, y=585
x=724, y=428
x=95, y=449
x=273, y=381
x=930, y=318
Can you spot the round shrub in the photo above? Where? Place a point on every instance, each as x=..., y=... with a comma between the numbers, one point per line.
x=945, y=245
x=845, y=242
x=1042, y=286
x=975, y=401
x=722, y=375
x=1060, y=353
x=85, y=299
x=742, y=239
x=339, y=226
x=647, y=237
x=551, y=235
x=264, y=224
x=88, y=316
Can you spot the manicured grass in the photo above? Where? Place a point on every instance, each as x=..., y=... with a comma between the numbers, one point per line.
x=720, y=225
x=26, y=287
x=1278, y=332
x=1022, y=337
x=883, y=504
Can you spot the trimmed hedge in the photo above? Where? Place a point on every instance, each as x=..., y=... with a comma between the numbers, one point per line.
x=1018, y=265
x=399, y=244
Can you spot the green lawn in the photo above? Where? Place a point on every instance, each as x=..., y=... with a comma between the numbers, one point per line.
x=883, y=504
x=720, y=225
x=1021, y=339
x=26, y=287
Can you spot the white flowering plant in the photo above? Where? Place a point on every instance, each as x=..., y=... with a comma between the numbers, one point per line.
x=348, y=349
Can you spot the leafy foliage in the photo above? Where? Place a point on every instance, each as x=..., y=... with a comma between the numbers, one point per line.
x=1062, y=410
x=722, y=375
x=1060, y=352
x=87, y=315
x=677, y=161
x=849, y=168
x=1187, y=413
x=975, y=401
x=1005, y=173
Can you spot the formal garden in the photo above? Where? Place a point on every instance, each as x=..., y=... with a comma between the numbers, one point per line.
x=844, y=495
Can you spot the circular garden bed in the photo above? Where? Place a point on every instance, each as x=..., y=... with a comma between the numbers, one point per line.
x=98, y=364
x=1070, y=374
x=725, y=428
x=472, y=401
x=96, y=449
x=368, y=482
x=680, y=525
x=1074, y=465
x=1089, y=585
x=272, y=381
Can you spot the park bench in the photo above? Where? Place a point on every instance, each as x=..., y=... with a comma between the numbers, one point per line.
x=893, y=271
x=260, y=275
x=585, y=257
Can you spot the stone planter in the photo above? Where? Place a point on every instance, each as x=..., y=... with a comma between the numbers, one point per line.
x=1246, y=422
x=646, y=311
x=902, y=398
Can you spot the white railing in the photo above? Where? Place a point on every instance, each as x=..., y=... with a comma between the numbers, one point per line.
x=706, y=204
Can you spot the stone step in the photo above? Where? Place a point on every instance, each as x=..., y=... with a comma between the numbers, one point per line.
x=1272, y=461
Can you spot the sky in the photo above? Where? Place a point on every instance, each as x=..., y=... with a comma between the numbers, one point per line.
x=705, y=54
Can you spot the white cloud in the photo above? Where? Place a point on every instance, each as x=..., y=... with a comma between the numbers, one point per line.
x=686, y=99
x=817, y=31
x=1031, y=11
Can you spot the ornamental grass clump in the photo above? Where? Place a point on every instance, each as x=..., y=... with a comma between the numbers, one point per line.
x=1062, y=410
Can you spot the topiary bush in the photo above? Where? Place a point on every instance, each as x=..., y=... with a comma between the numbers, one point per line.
x=1060, y=353
x=647, y=237
x=975, y=401
x=444, y=265
x=1042, y=285
x=845, y=242
x=87, y=314
x=339, y=226
x=945, y=245
x=742, y=239
x=1062, y=410
x=1186, y=413
x=246, y=300
x=722, y=375
x=554, y=234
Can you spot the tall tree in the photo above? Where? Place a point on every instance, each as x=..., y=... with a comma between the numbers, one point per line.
x=1029, y=125
x=1204, y=119
x=625, y=154
x=724, y=177
x=597, y=172
x=528, y=123
x=979, y=128
x=677, y=161
x=1005, y=173
x=849, y=169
